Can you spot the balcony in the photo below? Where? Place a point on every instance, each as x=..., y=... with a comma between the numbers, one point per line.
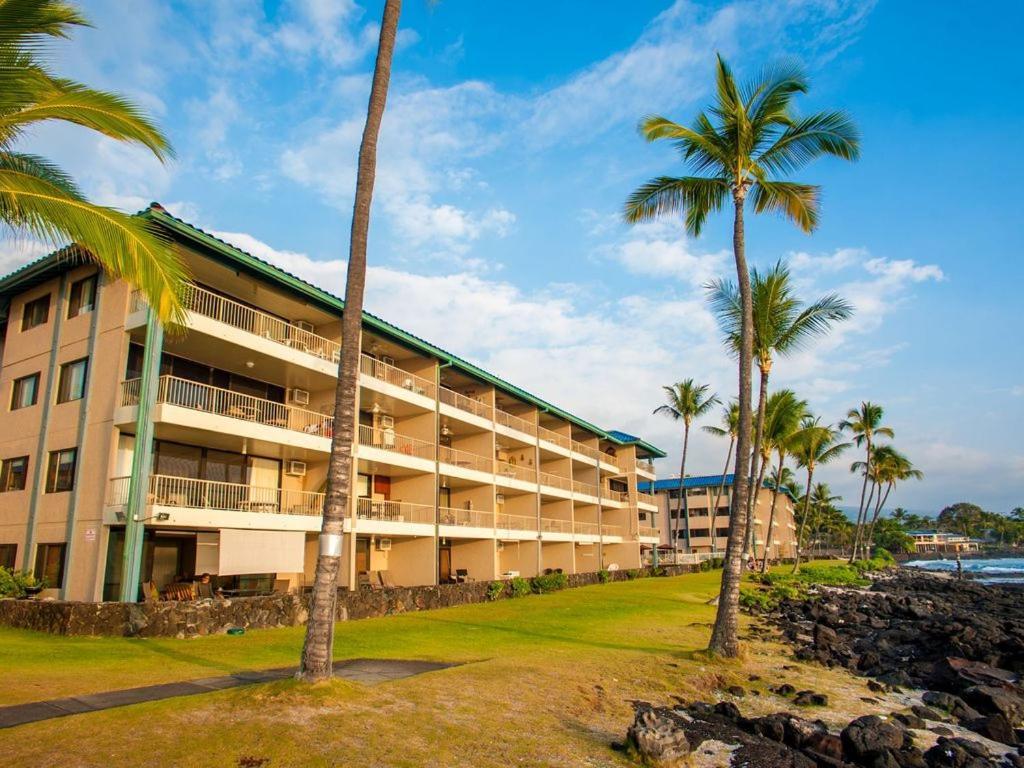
x=609, y=494
x=612, y=531
x=554, y=438
x=465, y=460
x=507, y=522
x=396, y=446
x=466, y=404
x=556, y=481
x=465, y=518
x=646, y=498
x=584, y=489
x=398, y=377
x=507, y=471
x=586, y=529
x=551, y=525
x=506, y=419
x=585, y=450
x=646, y=532
x=394, y=511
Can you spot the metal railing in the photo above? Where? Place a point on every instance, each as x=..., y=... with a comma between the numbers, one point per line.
x=171, y=491
x=397, y=376
x=459, y=458
x=553, y=437
x=646, y=498
x=117, y=491
x=467, y=404
x=507, y=522
x=235, y=405
x=587, y=489
x=389, y=440
x=506, y=419
x=612, y=530
x=556, y=481
x=648, y=532
x=465, y=517
x=515, y=471
x=620, y=496
x=394, y=511
x=586, y=529
x=645, y=466
x=551, y=525
x=586, y=450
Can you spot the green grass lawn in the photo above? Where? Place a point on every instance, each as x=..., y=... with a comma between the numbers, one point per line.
x=548, y=681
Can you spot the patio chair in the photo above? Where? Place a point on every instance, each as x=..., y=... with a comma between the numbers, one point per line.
x=462, y=576
x=149, y=593
x=386, y=581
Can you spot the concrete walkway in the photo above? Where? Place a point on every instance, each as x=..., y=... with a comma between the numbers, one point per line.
x=366, y=671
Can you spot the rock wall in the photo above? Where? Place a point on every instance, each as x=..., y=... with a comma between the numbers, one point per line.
x=208, y=617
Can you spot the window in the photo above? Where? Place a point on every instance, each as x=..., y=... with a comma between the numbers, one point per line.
x=50, y=564
x=25, y=392
x=83, y=297
x=8, y=554
x=71, y=384
x=60, y=475
x=13, y=473
x=36, y=312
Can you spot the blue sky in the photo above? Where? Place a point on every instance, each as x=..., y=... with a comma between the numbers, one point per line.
x=509, y=146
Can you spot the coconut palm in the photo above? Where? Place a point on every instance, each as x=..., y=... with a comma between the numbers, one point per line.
x=819, y=445
x=889, y=468
x=783, y=324
x=317, y=651
x=743, y=145
x=784, y=414
x=687, y=401
x=40, y=200
x=730, y=427
x=865, y=424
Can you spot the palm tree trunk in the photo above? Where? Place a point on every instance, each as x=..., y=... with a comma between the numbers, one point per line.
x=762, y=400
x=318, y=651
x=803, y=521
x=878, y=511
x=860, y=509
x=718, y=496
x=725, y=634
x=771, y=518
x=682, y=490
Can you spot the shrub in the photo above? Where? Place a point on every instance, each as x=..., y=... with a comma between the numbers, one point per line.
x=16, y=583
x=495, y=590
x=632, y=573
x=716, y=562
x=604, y=576
x=549, y=582
x=658, y=571
x=519, y=586
x=753, y=599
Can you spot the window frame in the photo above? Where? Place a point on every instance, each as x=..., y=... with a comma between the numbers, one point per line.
x=75, y=306
x=8, y=555
x=16, y=388
x=53, y=470
x=5, y=474
x=40, y=565
x=26, y=323
x=62, y=382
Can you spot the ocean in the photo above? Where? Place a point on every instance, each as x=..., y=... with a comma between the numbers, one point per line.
x=997, y=570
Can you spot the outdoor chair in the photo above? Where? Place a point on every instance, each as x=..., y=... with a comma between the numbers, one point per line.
x=149, y=593
x=462, y=576
x=386, y=580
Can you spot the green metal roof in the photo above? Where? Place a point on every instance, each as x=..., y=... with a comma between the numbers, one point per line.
x=41, y=269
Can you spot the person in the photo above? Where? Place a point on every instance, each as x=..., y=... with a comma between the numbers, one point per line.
x=959, y=566
x=204, y=589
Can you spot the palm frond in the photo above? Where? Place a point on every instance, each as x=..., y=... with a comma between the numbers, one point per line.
x=27, y=23
x=796, y=202
x=694, y=196
x=814, y=320
x=724, y=299
x=825, y=133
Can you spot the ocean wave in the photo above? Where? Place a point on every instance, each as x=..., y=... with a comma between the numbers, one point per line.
x=1001, y=565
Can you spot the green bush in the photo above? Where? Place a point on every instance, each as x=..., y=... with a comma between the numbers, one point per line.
x=753, y=599
x=633, y=573
x=716, y=562
x=549, y=582
x=16, y=583
x=604, y=576
x=495, y=590
x=519, y=586
x=658, y=571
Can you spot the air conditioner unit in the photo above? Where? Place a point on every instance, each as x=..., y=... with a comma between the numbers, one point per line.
x=501, y=546
x=387, y=422
x=296, y=469
x=499, y=498
x=304, y=325
x=387, y=360
x=298, y=396
x=383, y=545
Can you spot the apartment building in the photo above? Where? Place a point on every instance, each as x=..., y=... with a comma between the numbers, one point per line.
x=708, y=534
x=943, y=542
x=131, y=454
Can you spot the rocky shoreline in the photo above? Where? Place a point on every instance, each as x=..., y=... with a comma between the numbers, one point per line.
x=950, y=652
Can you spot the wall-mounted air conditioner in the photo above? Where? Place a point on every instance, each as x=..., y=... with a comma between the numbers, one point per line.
x=296, y=468
x=383, y=545
x=499, y=498
x=387, y=360
x=298, y=396
x=304, y=325
x=387, y=422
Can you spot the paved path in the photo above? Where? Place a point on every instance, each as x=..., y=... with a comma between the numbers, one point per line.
x=368, y=671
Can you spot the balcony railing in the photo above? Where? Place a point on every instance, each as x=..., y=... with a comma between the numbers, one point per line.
x=394, y=511
x=506, y=419
x=586, y=450
x=389, y=440
x=466, y=517
x=235, y=405
x=645, y=465
x=613, y=495
x=586, y=529
x=467, y=404
x=555, y=481
x=170, y=491
x=515, y=471
x=587, y=489
x=465, y=459
x=612, y=530
x=507, y=522
x=646, y=498
x=648, y=532
x=553, y=437
x=392, y=374
x=550, y=525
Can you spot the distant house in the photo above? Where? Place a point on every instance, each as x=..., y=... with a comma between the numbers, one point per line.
x=942, y=541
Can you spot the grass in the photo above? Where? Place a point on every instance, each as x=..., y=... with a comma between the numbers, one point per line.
x=547, y=680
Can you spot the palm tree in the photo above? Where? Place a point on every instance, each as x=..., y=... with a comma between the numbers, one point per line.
x=890, y=467
x=783, y=416
x=864, y=424
x=783, y=324
x=742, y=146
x=687, y=401
x=37, y=198
x=827, y=517
x=730, y=427
x=318, y=651
x=818, y=445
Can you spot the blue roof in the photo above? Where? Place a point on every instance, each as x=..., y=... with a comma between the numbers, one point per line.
x=694, y=481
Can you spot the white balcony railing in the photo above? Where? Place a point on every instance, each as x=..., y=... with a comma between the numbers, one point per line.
x=392, y=374
x=555, y=481
x=645, y=465
x=466, y=517
x=586, y=450
x=553, y=437
x=585, y=489
x=170, y=491
x=612, y=530
x=551, y=525
x=506, y=419
x=235, y=405
x=515, y=471
x=507, y=522
x=467, y=404
x=389, y=440
x=465, y=459
x=648, y=532
x=586, y=529
x=394, y=511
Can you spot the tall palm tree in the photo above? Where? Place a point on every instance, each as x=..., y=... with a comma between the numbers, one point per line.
x=783, y=324
x=819, y=445
x=730, y=428
x=890, y=468
x=318, y=651
x=687, y=401
x=742, y=146
x=784, y=414
x=39, y=199
x=865, y=424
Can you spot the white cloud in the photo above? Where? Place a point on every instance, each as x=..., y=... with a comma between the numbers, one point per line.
x=17, y=251
x=661, y=250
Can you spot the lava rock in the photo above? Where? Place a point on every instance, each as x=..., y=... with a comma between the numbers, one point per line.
x=657, y=740
x=811, y=699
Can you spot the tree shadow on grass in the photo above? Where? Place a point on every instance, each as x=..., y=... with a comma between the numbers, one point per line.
x=196, y=661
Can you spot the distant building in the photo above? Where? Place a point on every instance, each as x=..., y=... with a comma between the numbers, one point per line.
x=942, y=541
x=701, y=492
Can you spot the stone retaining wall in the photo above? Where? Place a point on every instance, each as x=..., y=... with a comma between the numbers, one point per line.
x=208, y=617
